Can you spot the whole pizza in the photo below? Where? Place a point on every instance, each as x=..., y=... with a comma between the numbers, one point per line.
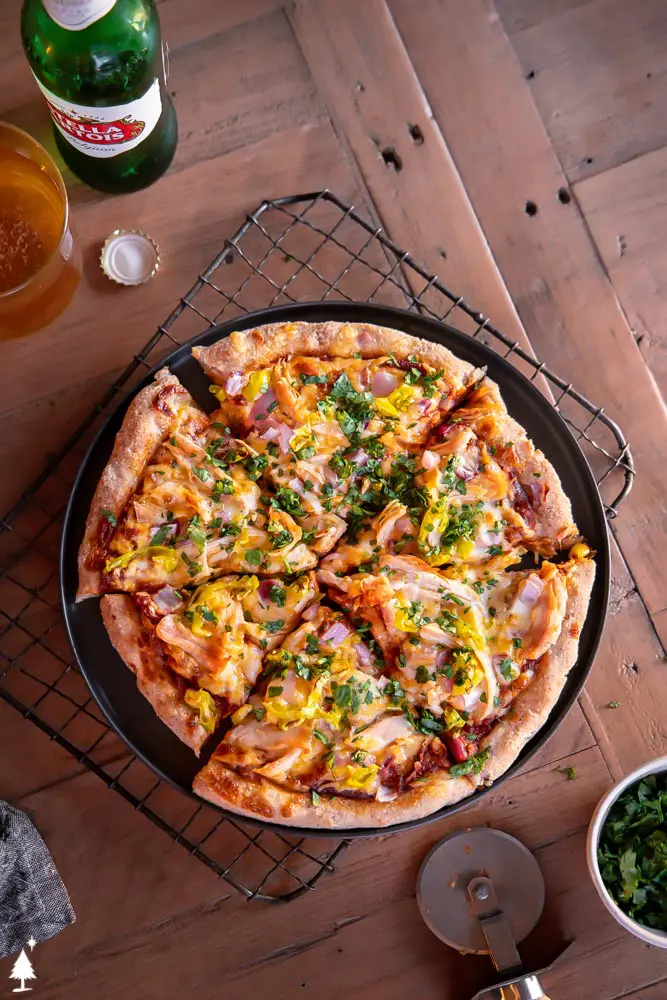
x=357, y=576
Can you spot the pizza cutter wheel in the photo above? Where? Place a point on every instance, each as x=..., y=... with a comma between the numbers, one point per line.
x=481, y=891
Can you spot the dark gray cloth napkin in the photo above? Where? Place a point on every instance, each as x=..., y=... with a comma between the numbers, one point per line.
x=33, y=900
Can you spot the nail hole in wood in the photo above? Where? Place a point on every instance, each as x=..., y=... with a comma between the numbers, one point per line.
x=530, y=75
x=589, y=160
x=391, y=158
x=360, y=87
x=649, y=75
x=564, y=196
x=416, y=135
x=443, y=253
x=530, y=208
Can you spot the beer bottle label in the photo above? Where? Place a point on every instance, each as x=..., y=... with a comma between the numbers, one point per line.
x=75, y=15
x=106, y=132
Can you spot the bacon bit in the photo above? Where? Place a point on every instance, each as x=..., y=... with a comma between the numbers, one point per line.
x=389, y=775
x=164, y=396
x=432, y=757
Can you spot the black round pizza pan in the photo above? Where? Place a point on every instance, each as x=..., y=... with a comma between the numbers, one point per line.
x=113, y=685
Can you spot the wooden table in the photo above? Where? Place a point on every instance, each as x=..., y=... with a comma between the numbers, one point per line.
x=519, y=151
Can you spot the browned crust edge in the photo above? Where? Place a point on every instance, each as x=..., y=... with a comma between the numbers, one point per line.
x=142, y=652
x=260, y=798
x=532, y=707
x=264, y=345
x=144, y=427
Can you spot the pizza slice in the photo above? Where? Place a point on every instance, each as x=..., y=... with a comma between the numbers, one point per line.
x=475, y=656
x=479, y=491
x=328, y=424
x=178, y=503
x=196, y=655
x=324, y=741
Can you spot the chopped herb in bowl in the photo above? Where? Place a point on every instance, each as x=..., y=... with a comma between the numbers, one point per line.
x=632, y=851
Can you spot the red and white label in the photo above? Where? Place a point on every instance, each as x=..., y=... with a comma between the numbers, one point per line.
x=105, y=132
x=75, y=15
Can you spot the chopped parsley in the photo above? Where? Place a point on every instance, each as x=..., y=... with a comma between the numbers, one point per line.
x=312, y=644
x=277, y=594
x=507, y=669
x=275, y=690
x=569, y=771
x=193, y=567
x=161, y=535
x=109, y=516
x=289, y=501
x=196, y=533
x=201, y=474
x=253, y=557
x=632, y=852
x=273, y=627
x=473, y=765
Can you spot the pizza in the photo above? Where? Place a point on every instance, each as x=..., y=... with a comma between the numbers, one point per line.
x=352, y=578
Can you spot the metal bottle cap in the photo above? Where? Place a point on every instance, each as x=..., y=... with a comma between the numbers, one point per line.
x=129, y=257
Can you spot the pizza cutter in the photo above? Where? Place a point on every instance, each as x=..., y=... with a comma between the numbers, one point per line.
x=481, y=891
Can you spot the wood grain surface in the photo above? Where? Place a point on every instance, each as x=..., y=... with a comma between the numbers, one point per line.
x=519, y=150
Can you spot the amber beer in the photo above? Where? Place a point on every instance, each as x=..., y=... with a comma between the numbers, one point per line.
x=40, y=266
x=99, y=65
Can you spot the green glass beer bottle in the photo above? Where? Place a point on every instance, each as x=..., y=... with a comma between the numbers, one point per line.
x=99, y=64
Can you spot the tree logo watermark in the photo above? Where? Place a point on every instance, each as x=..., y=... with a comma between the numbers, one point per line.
x=22, y=969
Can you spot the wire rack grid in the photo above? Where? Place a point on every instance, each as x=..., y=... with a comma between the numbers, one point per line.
x=299, y=248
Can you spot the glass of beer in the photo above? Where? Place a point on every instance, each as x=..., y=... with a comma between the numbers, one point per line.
x=40, y=265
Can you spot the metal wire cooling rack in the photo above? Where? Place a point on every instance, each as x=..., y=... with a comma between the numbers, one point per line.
x=300, y=248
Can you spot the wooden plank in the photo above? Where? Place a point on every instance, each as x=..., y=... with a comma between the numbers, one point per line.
x=517, y=15
x=388, y=124
x=43, y=763
x=549, y=263
x=626, y=211
x=600, y=80
x=629, y=672
x=375, y=874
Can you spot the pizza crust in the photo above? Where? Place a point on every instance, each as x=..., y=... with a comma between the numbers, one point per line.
x=144, y=427
x=142, y=652
x=264, y=345
x=259, y=798
x=531, y=707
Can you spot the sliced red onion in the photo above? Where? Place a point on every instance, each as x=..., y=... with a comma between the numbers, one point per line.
x=260, y=408
x=404, y=526
x=537, y=492
x=336, y=633
x=275, y=430
x=264, y=589
x=382, y=383
x=167, y=599
x=424, y=405
x=310, y=613
x=444, y=403
x=360, y=457
x=363, y=654
x=296, y=485
x=382, y=682
x=235, y=383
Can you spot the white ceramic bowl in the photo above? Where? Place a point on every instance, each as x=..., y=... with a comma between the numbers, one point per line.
x=647, y=934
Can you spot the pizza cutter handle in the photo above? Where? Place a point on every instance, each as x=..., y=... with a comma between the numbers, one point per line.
x=526, y=988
